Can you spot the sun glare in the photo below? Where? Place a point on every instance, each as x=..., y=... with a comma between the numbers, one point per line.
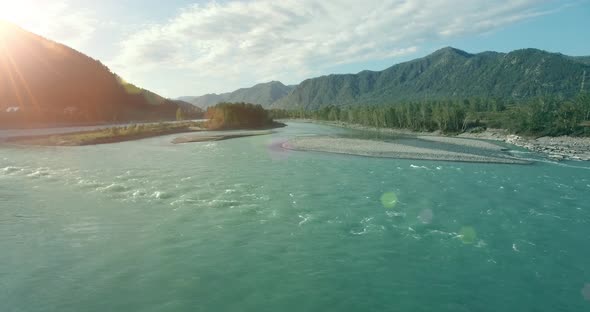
x=15, y=12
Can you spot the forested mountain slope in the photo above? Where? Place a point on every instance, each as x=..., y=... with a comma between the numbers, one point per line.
x=264, y=94
x=44, y=83
x=446, y=74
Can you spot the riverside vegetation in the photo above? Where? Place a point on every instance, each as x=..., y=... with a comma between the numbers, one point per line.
x=543, y=116
x=231, y=116
x=224, y=116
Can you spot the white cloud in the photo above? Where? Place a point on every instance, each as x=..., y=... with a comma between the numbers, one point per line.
x=56, y=20
x=226, y=44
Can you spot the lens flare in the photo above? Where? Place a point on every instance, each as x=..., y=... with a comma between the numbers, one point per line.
x=426, y=216
x=22, y=13
x=468, y=235
x=586, y=292
x=389, y=200
x=129, y=88
x=276, y=151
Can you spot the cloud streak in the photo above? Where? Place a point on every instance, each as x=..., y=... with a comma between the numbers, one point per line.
x=233, y=43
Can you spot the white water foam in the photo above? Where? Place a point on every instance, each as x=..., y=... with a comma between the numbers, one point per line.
x=11, y=169
x=391, y=213
x=305, y=219
x=160, y=195
x=112, y=188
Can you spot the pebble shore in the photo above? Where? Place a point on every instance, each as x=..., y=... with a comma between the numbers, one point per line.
x=373, y=148
x=554, y=148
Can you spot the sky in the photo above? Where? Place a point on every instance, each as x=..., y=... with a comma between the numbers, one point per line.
x=180, y=47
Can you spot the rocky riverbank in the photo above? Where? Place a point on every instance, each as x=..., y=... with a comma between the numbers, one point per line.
x=555, y=148
x=138, y=132
x=107, y=135
x=372, y=148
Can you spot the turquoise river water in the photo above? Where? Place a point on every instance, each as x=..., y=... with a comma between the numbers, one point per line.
x=242, y=225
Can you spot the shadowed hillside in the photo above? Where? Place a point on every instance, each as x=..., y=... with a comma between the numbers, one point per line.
x=46, y=83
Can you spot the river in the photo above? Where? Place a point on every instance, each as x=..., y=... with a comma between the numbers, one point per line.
x=243, y=225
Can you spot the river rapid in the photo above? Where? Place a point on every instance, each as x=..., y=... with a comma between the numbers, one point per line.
x=244, y=225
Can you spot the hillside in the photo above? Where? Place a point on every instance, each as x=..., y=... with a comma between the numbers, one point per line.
x=581, y=59
x=152, y=98
x=447, y=73
x=47, y=83
x=264, y=94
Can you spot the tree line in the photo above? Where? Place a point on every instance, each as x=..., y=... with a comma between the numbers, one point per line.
x=237, y=116
x=541, y=116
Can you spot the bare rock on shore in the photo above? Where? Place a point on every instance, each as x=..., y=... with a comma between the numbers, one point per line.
x=555, y=148
x=390, y=150
x=488, y=134
x=563, y=147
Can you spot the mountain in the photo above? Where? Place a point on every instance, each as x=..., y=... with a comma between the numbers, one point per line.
x=447, y=73
x=581, y=59
x=47, y=83
x=264, y=94
x=206, y=100
x=155, y=99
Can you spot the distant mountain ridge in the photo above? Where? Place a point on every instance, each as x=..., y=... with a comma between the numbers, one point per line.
x=448, y=73
x=581, y=59
x=264, y=94
x=43, y=82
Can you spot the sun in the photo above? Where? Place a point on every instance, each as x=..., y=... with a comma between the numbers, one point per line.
x=16, y=12
x=5, y=28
